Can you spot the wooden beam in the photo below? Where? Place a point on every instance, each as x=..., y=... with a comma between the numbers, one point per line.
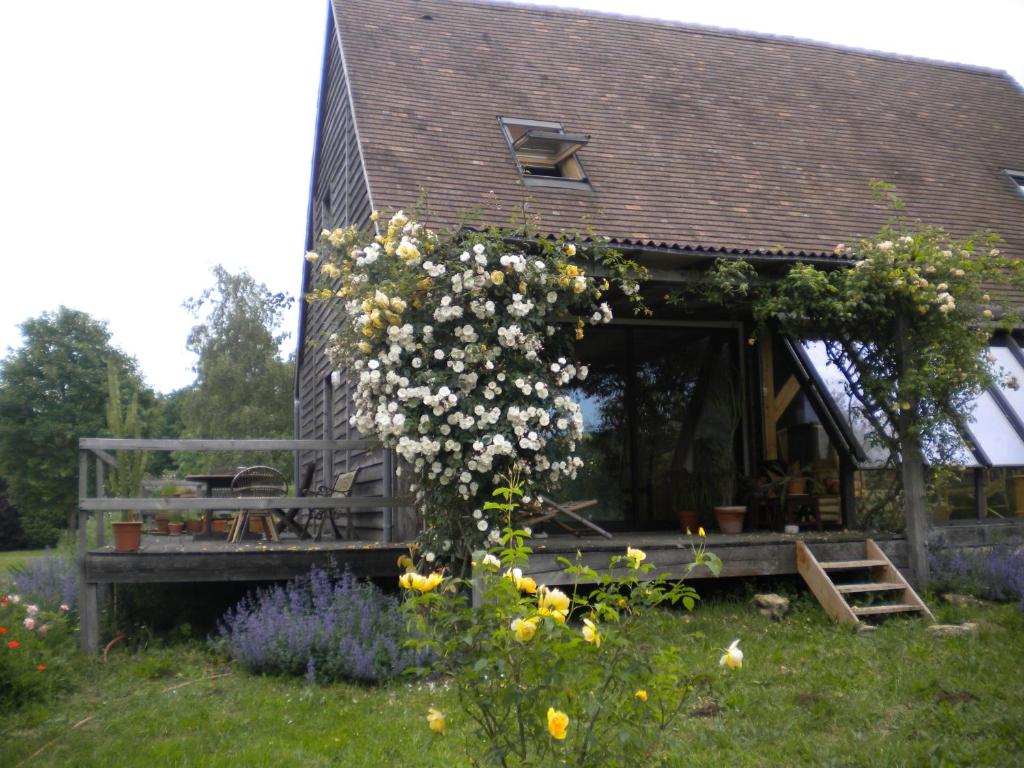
x=771, y=440
x=147, y=444
x=105, y=457
x=822, y=587
x=785, y=396
x=279, y=502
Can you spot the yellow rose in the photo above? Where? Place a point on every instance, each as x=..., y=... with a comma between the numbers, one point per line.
x=374, y=215
x=590, y=633
x=570, y=249
x=408, y=251
x=435, y=719
x=733, y=657
x=364, y=347
x=554, y=603
x=640, y=695
x=497, y=277
x=558, y=722
x=523, y=583
x=405, y=580
x=330, y=271
x=524, y=629
x=426, y=583
x=312, y=256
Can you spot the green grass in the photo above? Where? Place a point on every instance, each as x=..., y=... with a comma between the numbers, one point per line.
x=810, y=693
x=12, y=560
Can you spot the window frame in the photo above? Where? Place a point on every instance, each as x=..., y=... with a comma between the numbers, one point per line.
x=564, y=182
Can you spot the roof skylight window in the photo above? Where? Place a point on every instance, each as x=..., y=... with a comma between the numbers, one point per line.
x=1017, y=177
x=545, y=153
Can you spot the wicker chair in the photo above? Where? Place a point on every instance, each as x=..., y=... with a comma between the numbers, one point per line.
x=256, y=482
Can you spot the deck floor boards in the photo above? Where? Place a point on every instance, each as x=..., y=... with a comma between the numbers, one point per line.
x=182, y=558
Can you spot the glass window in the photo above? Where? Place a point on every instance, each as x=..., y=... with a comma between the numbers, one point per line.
x=994, y=433
x=662, y=418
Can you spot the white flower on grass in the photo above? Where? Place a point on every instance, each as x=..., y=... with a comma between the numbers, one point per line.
x=733, y=656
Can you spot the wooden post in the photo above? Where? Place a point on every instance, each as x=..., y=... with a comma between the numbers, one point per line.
x=915, y=510
x=771, y=441
x=101, y=517
x=88, y=605
x=847, y=492
x=980, y=499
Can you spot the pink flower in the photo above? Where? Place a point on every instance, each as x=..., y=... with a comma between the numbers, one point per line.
x=14, y=599
x=32, y=609
x=30, y=623
x=44, y=629
x=65, y=607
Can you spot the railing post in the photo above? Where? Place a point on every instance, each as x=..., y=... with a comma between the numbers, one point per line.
x=88, y=607
x=101, y=518
x=389, y=492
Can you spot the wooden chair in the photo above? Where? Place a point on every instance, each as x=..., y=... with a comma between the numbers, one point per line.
x=342, y=488
x=258, y=483
x=565, y=515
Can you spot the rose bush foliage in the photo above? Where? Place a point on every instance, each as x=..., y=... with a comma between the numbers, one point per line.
x=460, y=349
x=555, y=676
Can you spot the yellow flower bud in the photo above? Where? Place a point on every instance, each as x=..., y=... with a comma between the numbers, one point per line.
x=640, y=695
x=435, y=719
x=558, y=723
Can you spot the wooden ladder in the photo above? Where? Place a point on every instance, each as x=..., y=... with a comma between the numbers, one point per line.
x=882, y=578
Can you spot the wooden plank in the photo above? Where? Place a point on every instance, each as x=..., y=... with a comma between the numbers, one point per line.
x=846, y=565
x=261, y=444
x=822, y=587
x=105, y=457
x=873, y=586
x=908, y=596
x=280, y=502
x=880, y=610
x=101, y=491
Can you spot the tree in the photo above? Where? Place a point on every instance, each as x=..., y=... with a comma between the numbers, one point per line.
x=126, y=477
x=53, y=390
x=243, y=387
x=908, y=325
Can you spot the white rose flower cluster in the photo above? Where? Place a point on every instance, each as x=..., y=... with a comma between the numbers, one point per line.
x=460, y=357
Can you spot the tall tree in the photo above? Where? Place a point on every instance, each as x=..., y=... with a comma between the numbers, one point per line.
x=243, y=387
x=53, y=390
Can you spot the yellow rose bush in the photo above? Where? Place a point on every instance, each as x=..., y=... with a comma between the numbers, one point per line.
x=460, y=349
x=555, y=674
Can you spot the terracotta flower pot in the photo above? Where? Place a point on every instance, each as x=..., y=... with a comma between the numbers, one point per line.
x=194, y=526
x=219, y=526
x=688, y=520
x=127, y=535
x=797, y=486
x=730, y=519
x=161, y=524
x=175, y=528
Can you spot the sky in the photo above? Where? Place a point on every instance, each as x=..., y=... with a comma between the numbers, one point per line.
x=142, y=143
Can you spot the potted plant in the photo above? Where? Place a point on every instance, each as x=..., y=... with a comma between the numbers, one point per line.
x=175, y=523
x=685, y=493
x=126, y=476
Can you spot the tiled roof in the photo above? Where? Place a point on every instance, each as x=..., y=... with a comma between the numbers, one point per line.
x=700, y=138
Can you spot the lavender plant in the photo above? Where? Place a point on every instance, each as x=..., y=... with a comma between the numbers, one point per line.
x=996, y=574
x=324, y=626
x=50, y=580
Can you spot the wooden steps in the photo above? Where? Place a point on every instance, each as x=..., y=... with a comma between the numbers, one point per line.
x=880, y=577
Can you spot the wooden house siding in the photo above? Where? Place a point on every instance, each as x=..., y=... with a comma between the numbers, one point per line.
x=340, y=197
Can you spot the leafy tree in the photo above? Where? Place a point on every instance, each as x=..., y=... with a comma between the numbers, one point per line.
x=53, y=391
x=243, y=388
x=11, y=535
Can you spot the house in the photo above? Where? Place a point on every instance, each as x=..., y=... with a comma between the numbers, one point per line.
x=681, y=144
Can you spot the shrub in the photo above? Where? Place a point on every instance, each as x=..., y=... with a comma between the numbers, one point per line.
x=544, y=677
x=324, y=626
x=996, y=574
x=11, y=535
x=50, y=580
x=35, y=649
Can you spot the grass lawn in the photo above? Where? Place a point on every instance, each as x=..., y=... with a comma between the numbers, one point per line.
x=810, y=693
x=10, y=560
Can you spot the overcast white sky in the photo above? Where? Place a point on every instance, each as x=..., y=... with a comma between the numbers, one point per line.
x=141, y=143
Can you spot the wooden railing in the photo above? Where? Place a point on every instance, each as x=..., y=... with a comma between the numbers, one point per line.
x=101, y=451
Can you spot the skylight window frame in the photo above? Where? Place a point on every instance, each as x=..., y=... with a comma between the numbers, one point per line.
x=546, y=130
x=1017, y=178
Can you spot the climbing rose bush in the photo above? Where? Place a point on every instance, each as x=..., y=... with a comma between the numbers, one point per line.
x=460, y=348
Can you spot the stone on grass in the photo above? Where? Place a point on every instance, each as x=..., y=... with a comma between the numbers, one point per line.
x=772, y=605
x=962, y=601
x=865, y=629
x=952, y=630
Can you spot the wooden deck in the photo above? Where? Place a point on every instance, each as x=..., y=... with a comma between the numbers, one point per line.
x=182, y=559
